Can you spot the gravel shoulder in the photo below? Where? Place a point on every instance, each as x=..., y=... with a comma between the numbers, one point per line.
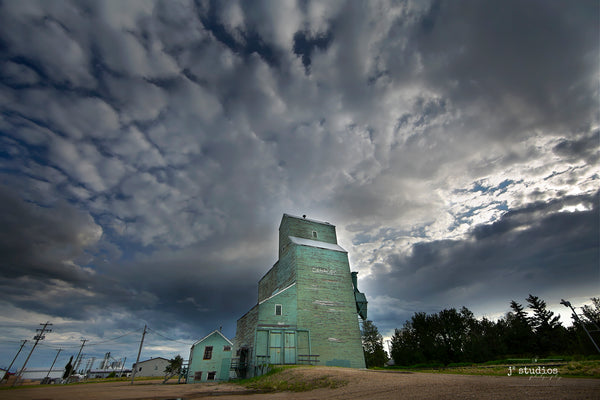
x=361, y=384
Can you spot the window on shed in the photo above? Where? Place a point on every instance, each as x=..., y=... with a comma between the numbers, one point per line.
x=211, y=375
x=226, y=348
x=277, y=309
x=314, y=233
x=198, y=375
x=208, y=352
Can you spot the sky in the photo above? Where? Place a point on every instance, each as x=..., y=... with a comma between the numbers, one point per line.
x=148, y=150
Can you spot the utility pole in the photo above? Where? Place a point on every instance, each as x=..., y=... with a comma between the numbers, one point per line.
x=52, y=366
x=568, y=304
x=78, y=362
x=13, y=361
x=76, y=358
x=89, y=365
x=37, y=338
x=138, y=356
x=122, y=366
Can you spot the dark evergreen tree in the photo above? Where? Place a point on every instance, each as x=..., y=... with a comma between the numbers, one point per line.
x=519, y=338
x=372, y=341
x=68, y=368
x=549, y=332
x=520, y=313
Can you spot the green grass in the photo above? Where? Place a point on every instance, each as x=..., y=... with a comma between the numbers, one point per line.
x=567, y=367
x=280, y=379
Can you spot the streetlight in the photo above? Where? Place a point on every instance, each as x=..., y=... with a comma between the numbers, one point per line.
x=568, y=304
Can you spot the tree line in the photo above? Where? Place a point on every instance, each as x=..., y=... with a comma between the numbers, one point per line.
x=454, y=336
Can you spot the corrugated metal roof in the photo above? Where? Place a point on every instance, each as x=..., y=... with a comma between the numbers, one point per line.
x=306, y=219
x=316, y=243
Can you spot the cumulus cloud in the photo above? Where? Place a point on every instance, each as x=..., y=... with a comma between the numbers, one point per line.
x=150, y=148
x=537, y=249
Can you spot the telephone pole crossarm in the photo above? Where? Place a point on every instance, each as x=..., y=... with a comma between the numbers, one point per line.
x=37, y=338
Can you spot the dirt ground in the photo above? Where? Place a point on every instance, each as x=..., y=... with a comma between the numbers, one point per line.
x=362, y=384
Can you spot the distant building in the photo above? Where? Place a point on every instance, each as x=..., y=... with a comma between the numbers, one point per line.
x=39, y=374
x=151, y=367
x=105, y=373
x=210, y=359
x=307, y=305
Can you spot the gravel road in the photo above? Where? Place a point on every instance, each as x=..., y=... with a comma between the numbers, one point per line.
x=362, y=384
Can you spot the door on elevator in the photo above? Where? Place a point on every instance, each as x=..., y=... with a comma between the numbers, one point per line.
x=289, y=348
x=275, y=348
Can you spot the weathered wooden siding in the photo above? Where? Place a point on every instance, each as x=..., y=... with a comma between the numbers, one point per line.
x=304, y=228
x=219, y=362
x=326, y=306
x=246, y=326
x=313, y=285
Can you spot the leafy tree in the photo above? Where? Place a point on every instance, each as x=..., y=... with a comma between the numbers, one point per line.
x=457, y=336
x=405, y=350
x=174, y=367
x=579, y=341
x=591, y=313
x=372, y=345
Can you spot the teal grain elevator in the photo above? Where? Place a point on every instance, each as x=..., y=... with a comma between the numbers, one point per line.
x=308, y=305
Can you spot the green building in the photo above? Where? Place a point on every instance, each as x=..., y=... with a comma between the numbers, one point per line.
x=308, y=305
x=210, y=359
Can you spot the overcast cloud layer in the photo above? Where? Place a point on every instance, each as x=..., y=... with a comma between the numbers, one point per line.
x=149, y=149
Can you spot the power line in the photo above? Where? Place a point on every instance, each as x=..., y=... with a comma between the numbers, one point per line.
x=168, y=338
x=135, y=366
x=13, y=361
x=89, y=344
x=78, y=354
x=113, y=339
x=53, y=362
x=37, y=338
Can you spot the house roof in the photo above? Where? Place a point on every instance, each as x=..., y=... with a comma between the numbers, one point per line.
x=152, y=359
x=212, y=333
x=317, y=243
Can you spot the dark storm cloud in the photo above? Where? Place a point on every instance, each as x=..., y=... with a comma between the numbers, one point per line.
x=534, y=60
x=584, y=148
x=536, y=249
x=148, y=150
x=42, y=242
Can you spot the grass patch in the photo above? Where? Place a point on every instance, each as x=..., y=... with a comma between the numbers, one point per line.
x=291, y=379
x=567, y=368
